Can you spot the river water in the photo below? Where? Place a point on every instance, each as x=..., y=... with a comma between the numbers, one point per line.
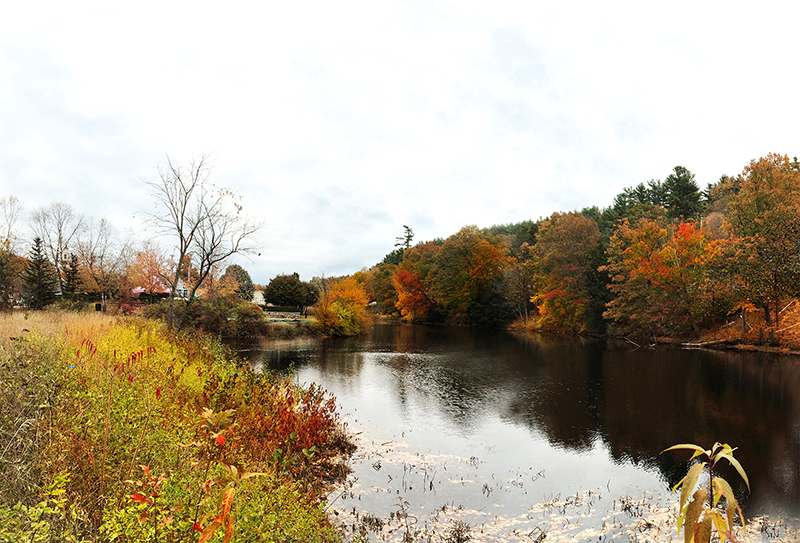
x=487, y=426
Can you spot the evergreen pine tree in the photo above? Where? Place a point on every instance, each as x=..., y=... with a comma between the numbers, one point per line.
x=39, y=278
x=683, y=198
x=7, y=280
x=71, y=279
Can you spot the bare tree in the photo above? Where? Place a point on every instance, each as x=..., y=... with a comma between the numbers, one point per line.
x=10, y=213
x=104, y=255
x=57, y=226
x=203, y=221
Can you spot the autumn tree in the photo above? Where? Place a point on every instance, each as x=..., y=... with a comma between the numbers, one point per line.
x=465, y=274
x=659, y=276
x=412, y=295
x=103, y=256
x=341, y=311
x=409, y=281
x=245, y=288
x=385, y=291
x=39, y=278
x=519, y=280
x=11, y=268
x=765, y=220
x=200, y=220
x=150, y=269
x=562, y=264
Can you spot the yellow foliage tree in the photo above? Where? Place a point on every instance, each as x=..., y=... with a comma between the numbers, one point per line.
x=342, y=310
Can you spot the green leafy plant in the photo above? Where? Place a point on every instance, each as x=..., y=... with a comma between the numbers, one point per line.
x=700, y=510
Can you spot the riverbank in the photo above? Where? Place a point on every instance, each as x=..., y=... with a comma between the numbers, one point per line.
x=115, y=429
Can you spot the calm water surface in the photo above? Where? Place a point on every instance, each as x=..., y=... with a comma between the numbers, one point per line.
x=495, y=422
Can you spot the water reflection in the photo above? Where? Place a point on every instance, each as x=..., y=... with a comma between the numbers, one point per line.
x=577, y=395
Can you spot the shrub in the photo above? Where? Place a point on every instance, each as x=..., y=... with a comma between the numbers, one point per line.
x=226, y=316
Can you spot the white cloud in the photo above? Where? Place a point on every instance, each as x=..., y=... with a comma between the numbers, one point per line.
x=340, y=122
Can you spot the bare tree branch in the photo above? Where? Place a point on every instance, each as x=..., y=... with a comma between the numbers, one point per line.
x=202, y=222
x=57, y=226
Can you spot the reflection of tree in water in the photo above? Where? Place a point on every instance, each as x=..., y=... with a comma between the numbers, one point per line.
x=654, y=399
x=641, y=401
x=577, y=391
x=560, y=400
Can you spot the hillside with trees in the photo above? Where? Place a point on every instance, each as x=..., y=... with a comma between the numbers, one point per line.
x=665, y=259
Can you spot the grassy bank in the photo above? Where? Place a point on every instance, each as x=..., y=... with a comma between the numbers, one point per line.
x=115, y=430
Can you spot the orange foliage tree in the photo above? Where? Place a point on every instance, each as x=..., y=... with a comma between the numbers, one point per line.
x=660, y=275
x=410, y=282
x=149, y=269
x=412, y=297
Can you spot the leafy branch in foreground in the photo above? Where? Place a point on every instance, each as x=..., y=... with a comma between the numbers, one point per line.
x=698, y=514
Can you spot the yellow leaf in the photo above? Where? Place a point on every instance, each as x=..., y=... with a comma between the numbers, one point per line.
x=689, y=483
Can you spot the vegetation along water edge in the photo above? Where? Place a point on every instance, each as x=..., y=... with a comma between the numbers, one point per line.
x=115, y=429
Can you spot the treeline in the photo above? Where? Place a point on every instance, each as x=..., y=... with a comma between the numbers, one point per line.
x=665, y=259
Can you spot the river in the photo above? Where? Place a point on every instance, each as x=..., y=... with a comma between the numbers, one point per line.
x=508, y=432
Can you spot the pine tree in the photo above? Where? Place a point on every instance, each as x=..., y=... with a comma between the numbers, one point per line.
x=71, y=277
x=39, y=278
x=683, y=196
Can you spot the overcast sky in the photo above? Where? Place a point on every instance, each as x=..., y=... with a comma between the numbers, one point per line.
x=339, y=122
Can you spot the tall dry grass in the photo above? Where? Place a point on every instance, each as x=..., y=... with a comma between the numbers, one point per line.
x=68, y=327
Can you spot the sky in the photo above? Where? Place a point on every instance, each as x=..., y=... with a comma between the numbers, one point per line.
x=339, y=122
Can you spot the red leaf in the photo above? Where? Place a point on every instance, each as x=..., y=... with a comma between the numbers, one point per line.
x=158, y=393
x=138, y=498
x=221, y=439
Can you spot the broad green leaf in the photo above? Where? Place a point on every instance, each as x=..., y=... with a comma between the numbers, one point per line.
x=693, y=513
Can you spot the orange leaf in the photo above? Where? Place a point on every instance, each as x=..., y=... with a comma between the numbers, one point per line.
x=228, y=530
x=227, y=502
x=208, y=533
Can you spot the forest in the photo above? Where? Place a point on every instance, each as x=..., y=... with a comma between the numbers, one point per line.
x=664, y=260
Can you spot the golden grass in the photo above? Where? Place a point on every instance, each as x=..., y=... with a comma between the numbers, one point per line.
x=66, y=326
